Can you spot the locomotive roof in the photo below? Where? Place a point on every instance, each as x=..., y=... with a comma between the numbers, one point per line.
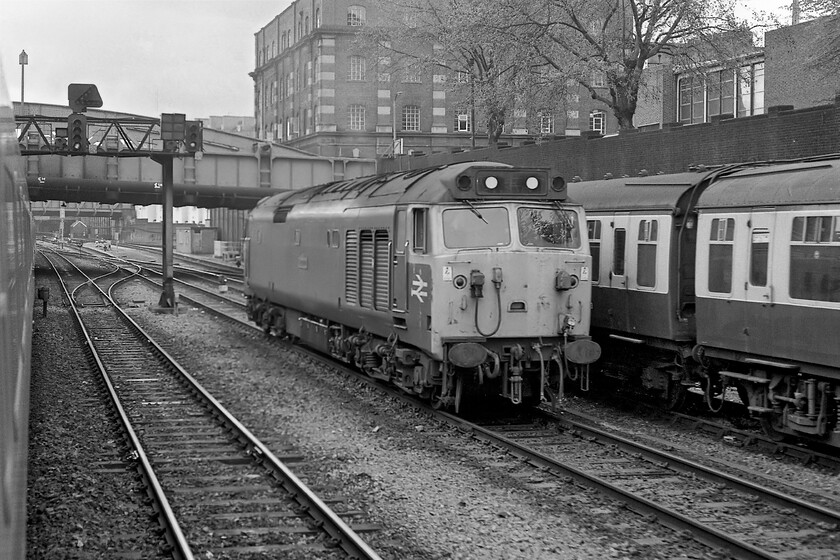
x=656, y=192
x=815, y=181
x=391, y=188
x=446, y=183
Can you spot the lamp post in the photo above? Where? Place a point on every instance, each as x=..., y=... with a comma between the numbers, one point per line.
x=394, y=122
x=23, y=60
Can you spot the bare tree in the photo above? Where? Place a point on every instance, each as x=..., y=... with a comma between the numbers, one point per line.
x=610, y=41
x=488, y=72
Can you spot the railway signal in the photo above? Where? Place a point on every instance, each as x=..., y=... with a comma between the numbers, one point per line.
x=193, y=138
x=60, y=144
x=173, y=127
x=77, y=133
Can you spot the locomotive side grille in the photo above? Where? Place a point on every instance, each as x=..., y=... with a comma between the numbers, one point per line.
x=366, y=271
x=382, y=246
x=351, y=268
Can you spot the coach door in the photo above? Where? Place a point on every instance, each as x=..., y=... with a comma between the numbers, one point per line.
x=618, y=262
x=759, y=295
x=399, y=275
x=614, y=297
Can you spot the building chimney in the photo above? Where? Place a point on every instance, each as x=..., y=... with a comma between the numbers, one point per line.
x=794, y=12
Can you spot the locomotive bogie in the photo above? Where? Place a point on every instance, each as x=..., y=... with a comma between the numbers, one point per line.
x=421, y=268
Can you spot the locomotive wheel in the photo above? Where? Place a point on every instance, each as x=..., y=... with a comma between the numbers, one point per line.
x=440, y=402
x=265, y=323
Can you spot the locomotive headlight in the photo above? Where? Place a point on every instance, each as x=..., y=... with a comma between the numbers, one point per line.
x=491, y=182
x=532, y=183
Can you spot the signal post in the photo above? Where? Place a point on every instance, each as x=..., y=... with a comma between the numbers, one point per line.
x=180, y=138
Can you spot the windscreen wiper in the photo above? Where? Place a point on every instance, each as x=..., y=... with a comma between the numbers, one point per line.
x=476, y=212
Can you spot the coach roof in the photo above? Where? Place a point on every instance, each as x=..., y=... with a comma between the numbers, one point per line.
x=815, y=181
x=657, y=192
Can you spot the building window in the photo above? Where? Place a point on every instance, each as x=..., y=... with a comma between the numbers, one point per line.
x=356, y=117
x=411, y=118
x=739, y=93
x=412, y=74
x=356, y=15
x=751, y=90
x=317, y=17
x=597, y=121
x=357, y=68
x=546, y=123
x=462, y=122
x=598, y=78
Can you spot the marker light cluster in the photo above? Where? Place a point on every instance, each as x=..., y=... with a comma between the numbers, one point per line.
x=509, y=182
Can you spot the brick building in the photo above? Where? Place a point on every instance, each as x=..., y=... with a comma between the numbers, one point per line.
x=314, y=92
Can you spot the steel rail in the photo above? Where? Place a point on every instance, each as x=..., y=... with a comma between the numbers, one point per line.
x=166, y=516
x=345, y=537
x=812, y=511
x=668, y=517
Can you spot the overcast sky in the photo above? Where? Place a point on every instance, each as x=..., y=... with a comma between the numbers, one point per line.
x=145, y=56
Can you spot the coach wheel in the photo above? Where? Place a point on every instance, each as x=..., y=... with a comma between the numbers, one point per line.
x=769, y=428
x=675, y=398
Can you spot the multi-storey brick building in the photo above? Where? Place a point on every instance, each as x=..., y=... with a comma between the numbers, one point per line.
x=314, y=91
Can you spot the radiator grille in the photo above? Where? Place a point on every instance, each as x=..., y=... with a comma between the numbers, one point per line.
x=351, y=268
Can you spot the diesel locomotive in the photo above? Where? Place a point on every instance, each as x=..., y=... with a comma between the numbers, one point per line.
x=16, y=300
x=470, y=278
x=723, y=281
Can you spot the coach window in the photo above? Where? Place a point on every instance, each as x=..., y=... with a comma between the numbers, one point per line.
x=595, y=248
x=720, y=255
x=759, y=253
x=618, y=251
x=815, y=258
x=419, y=218
x=646, y=261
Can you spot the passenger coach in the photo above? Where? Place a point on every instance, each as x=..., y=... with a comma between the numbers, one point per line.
x=723, y=279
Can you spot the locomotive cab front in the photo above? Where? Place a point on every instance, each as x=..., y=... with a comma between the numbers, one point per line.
x=506, y=272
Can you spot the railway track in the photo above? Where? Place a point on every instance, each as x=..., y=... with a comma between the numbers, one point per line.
x=717, y=509
x=725, y=512
x=215, y=488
